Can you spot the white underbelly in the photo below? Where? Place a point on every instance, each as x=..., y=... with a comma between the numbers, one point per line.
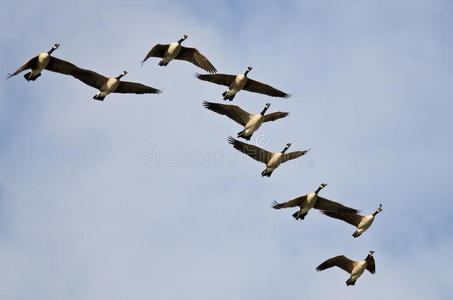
x=43, y=61
x=109, y=87
x=237, y=84
x=172, y=51
x=253, y=125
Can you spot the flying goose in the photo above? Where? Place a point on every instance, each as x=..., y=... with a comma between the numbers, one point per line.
x=361, y=222
x=238, y=82
x=355, y=268
x=171, y=51
x=312, y=200
x=112, y=84
x=251, y=122
x=44, y=61
x=272, y=160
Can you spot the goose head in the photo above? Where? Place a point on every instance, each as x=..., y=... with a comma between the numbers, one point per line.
x=122, y=74
x=183, y=38
x=55, y=47
x=321, y=186
x=265, y=108
x=378, y=210
x=370, y=253
x=248, y=70
x=286, y=148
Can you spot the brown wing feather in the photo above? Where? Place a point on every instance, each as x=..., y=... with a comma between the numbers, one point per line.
x=329, y=205
x=194, y=56
x=293, y=155
x=371, y=266
x=353, y=219
x=125, y=87
x=89, y=77
x=233, y=112
x=253, y=151
x=156, y=51
x=60, y=66
x=275, y=116
x=222, y=79
x=340, y=261
x=31, y=63
x=291, y=203
x=258, y=87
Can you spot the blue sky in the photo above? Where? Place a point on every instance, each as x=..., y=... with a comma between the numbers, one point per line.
x=87, y=211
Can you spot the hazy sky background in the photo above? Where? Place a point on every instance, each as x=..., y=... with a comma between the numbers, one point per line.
x=141, y=196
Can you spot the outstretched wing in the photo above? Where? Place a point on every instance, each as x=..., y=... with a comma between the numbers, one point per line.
x=258, y=87
x=126, y=87
x=291, y=203
x=156, y=51
x=222, y=79
x=275, y=116
x=31, y=63
x=253, y=151
x=293, y=155
x=233, y=112
x=89, y=77
x=371, y=265
x=329, y=205
x=60, y=66
x=194, y=56
x=353, y=219
x=340, y=261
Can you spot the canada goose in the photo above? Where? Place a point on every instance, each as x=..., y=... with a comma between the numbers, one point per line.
x=312, y=200
x=238, y=82
x=251, y=122
x=272, y=160
x=361, y=222
x=44, y=61
x=171, y=51
x=112, y=84
x=355, y=268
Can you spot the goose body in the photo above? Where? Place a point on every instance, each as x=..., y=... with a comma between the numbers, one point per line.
x=354, y=268
x=44, y=61
x=169, y=52
x=251, y=122
x=236, y=83
x=107, y=88
x=108, y=85
x=172, y=51
x=362, y=223
x=312, y=200
x=272, y=160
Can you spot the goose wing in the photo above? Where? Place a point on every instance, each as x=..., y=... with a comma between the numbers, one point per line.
x=329, y=205
x=275, y=116
x=293, y=155
x=156, y=51
x=32, y=62
x=258, y=87
x=126, y=87
x=340, y=261
x=222, y=79
x=89, y=77
x=353, y=219
x=253, y=151
x=291, y=203
x=60, y=66
x=371, y=265
x=233, y=112
x=194, y=56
